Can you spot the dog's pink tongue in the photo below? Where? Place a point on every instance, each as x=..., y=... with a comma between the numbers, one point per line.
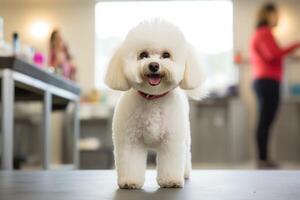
x=154, y=80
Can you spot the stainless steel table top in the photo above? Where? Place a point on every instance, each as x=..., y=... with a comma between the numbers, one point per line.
x=21, y=66
x=100, y=185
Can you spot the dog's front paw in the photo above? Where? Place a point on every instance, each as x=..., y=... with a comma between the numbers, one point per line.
x=131, y=186
x=130, y=183
x=170, y=183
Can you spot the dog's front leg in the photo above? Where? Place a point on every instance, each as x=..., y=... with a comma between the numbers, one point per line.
x=170, y=164
x=131, y=165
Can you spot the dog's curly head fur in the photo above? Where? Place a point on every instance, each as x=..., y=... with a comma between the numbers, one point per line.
x=154, y=58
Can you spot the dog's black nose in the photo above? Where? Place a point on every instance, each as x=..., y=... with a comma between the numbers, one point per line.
x=153, y=67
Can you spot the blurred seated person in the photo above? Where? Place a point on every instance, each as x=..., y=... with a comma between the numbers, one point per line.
x=59, y=56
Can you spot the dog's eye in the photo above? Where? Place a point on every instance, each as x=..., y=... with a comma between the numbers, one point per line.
x=166, y=55
x=143, y=54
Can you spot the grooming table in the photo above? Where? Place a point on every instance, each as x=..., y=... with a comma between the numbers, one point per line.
x=101, y=185
x=22, y=81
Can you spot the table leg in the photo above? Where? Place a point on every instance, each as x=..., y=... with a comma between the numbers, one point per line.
x=7, y=119
x=76, y=133
x=46, y=129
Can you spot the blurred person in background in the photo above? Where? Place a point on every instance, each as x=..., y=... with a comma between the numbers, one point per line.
x=266, y=58
x=60, y=57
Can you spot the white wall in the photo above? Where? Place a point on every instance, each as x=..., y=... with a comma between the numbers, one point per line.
x=74, y=18
x=245, y=15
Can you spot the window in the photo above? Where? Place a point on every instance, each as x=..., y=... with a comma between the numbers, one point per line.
x=208, y=25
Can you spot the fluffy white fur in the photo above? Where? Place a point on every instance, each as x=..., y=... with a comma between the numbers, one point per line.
x=161, y=124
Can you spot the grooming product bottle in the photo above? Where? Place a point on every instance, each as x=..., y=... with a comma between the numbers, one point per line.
x=16, y=44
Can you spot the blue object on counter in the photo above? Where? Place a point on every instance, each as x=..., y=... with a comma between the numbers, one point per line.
x=295, y=90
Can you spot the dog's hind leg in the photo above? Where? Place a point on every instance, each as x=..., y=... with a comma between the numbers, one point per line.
x=188, y=165
x=188, y=158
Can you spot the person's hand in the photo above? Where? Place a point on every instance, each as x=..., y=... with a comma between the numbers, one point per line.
x=295, y=57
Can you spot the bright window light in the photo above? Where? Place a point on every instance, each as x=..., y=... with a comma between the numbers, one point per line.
x=208, y=25
x=39, y=29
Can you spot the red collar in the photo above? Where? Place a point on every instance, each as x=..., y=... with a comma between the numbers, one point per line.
x=150, y=96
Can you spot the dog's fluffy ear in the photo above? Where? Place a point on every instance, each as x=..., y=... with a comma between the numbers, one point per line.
x=192, y=74
x=115, y=77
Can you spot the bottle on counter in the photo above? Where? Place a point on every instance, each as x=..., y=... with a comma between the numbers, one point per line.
x=16, y=43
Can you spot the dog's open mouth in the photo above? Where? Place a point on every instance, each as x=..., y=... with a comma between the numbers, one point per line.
x=154, y=79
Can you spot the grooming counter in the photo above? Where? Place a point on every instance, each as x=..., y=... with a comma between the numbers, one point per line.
x=22, y=81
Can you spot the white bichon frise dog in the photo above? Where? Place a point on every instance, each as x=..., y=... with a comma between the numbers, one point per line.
x=151, y=65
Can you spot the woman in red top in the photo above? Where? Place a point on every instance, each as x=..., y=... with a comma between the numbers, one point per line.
x=267, y=59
